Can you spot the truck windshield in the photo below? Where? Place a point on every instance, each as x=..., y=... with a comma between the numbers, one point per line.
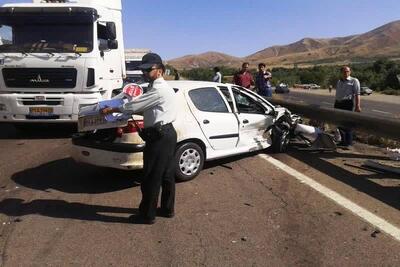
x=46, y=34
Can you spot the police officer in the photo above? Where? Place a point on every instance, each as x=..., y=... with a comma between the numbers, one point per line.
x=158, y=106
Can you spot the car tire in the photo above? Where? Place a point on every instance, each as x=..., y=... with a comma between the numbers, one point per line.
x=280, y=139
x=189, y=161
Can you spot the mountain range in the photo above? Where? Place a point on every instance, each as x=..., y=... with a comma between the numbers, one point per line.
x=382, y=42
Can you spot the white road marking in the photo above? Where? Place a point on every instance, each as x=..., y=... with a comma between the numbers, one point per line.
x=326, y=103
x=380, y=111
x=376, y=221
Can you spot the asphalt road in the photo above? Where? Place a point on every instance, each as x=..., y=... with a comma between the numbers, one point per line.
x=242, y=211
x=372, y=104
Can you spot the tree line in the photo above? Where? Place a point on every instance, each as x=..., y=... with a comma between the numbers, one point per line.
x=382, y=75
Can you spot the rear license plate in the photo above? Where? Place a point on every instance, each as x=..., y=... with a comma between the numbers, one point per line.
x=90, y=121
x=41, y=111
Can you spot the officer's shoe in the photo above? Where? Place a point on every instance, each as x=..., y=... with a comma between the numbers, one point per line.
x=165, y=214
x=138, y=219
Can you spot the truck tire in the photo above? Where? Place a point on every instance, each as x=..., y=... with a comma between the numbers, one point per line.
x=189, y=161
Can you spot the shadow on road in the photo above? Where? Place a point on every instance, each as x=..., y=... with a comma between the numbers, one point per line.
x=67, y=176
x=387, y=194
x=36, y=131
x=63, y=209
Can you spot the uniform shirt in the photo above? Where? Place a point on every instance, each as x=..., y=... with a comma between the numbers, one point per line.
x=244, y=79
x=346, y=89
x=217, y=77
x=158, y=104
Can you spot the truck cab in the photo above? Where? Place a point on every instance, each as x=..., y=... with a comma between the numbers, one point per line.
x=133, y=58
x=58, y=56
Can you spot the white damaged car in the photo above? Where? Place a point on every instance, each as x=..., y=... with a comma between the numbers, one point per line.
x=214, y=120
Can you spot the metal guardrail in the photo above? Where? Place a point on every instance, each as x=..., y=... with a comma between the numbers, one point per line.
x=382, y=127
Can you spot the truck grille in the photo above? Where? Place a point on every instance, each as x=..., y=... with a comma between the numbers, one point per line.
x=40, y=77
x=39, y=101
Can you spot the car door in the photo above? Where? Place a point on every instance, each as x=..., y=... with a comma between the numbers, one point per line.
x=253, y=120
x=216, y=119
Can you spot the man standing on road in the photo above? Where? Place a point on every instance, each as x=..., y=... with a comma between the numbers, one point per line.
x=263, y=81
x=158, y=106
x=347, y=95
x=244, y=77
x=217, y=75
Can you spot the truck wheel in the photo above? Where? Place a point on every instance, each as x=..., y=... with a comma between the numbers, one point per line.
x=280, y=139
x=189, y=161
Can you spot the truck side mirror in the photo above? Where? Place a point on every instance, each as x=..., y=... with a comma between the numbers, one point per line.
x=103, y=45
x=112, y=44
x=111, y=30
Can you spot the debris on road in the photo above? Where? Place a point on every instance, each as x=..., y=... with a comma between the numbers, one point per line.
x=374, y=233
x=394, y=154
x=363, y=168
x=382, y=167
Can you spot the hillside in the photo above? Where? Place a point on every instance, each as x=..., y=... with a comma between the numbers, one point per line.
x=380, y=42
x=205, y=60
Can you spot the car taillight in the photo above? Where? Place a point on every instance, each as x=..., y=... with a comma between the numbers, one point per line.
x=130, y=128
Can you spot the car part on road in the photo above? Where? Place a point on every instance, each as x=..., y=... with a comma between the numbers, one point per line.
x=381, y=167
x=189, y=161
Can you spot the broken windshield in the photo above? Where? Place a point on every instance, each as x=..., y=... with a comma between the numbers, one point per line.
x=46, y=34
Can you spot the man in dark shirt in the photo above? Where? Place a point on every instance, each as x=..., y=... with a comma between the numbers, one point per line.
x=244, y=77
x=263, y=81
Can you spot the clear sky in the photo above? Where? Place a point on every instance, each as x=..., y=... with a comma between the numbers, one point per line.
x=175, y=28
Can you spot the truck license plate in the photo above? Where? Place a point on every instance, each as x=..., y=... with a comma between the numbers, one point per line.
x=41, y=111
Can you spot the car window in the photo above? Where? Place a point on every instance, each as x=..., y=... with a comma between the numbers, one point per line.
x=245, y=104
x=208, y=99
x=227, y=95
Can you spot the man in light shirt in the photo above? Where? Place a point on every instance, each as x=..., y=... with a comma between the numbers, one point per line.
x=217, y=75
x=347, y=98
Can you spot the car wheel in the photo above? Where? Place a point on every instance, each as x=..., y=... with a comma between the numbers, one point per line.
x=280, y=139
x=189, y=161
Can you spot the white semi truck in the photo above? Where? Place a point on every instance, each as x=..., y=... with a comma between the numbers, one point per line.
x=133, y=58
x=57, y=56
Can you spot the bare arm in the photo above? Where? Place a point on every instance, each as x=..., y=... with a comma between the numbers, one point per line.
x=358, y=103
x=357, y=96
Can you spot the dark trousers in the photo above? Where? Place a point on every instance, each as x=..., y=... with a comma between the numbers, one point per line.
x=345, y=131
x=159, y=172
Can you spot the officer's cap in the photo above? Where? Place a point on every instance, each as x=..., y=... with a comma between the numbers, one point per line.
x=149, y=60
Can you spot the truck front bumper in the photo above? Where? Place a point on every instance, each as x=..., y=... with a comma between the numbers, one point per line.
x=18, y=107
